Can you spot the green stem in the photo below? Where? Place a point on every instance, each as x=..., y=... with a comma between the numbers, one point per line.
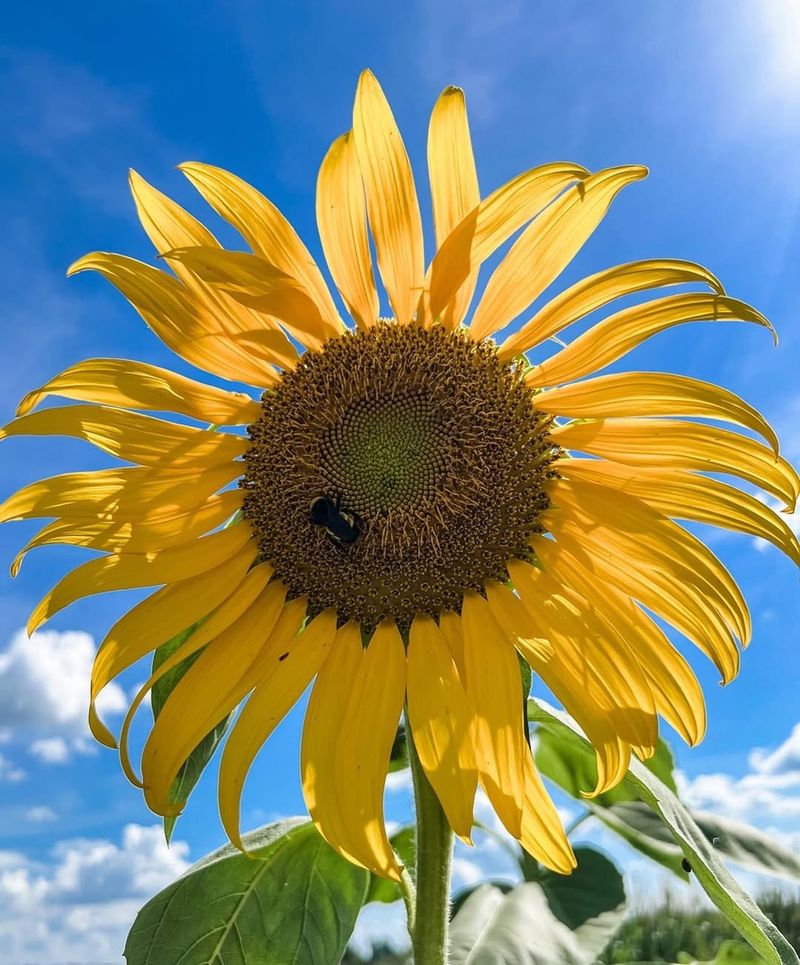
x=434, y=857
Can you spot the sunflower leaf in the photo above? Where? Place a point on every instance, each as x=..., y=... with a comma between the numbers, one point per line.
x=511, y=927
x=636, y=823
x=718, y=883
x=573, y=767
x=292, y=898
x=196, y=763
x=740, y=843
x=590, y=901
x=398, y=758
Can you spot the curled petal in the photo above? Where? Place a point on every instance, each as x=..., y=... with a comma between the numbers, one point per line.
x=547, y=246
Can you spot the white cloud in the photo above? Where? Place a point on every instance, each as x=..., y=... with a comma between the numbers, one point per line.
x=44, y=684
x=79, y=905
x=399, y=781
x=56, y=750
x=40, y=814
x=10, y=772
x=50, y=750
x=785, y=759
x=770, y=791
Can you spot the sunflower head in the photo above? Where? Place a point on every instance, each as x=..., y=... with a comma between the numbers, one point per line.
x=415, y=509
x=424, y=444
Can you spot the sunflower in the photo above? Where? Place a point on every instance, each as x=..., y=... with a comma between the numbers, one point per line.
x=419, y=504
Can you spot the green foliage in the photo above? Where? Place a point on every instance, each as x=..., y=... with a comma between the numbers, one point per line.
x=494, y=927
x=382, y=889
x=590, y=901
x=398, y=759
x=673, y=934
x=292, y=898
x=718, y=883
x=191, y=770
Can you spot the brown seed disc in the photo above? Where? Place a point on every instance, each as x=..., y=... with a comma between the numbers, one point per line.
x=428, y=447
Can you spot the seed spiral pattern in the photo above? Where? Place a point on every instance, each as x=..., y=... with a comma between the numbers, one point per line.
x=430, y=441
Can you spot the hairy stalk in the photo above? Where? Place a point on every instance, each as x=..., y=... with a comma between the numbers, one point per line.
x=434, y=857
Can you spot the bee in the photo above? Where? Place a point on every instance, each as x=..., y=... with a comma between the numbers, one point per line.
x=342, y=526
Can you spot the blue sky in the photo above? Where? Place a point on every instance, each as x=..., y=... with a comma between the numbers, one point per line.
x=706, y=95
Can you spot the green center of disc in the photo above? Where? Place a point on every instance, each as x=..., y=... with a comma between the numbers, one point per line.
x=385, y=454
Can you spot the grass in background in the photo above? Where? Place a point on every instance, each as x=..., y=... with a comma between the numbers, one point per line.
x=669, y=933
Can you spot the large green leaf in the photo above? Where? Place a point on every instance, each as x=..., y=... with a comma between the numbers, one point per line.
x=292, y=899
x=718, y=883
x=748, y=847
x=574, y=768
x=643, y=829
x=193, y=767
x=738, y=842
x=590, y=901
x=517, y=927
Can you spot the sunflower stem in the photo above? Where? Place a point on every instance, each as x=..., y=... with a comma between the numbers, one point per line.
x=434, y=857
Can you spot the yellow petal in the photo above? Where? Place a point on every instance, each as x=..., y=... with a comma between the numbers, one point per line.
x=168, y=226
x=441, y=723
x=665, y=444
x=454, y=183
x=589, y=294
x=181, y=319
x=287, y=673
x=450, y=626
x=546, y=247
x=224, y=673
x=136, y=536
x=222, y=623
x=494, y=686
x=579, y=683
x=118, y=572
x=609, y=656
x=265, y=229
x=616, y=335
x=652, y=394
x=677, y=693
x=542, y=833
x=255, y=282
x=684, y=495
x=649, y=572
x=125, y=494
x=132, y=437
x=350, y=727
x=491, y=224
x=510, y=613
x=610, y=507
x=227, y=589
x=136, y=385
x=391, y=197
x=342, y=223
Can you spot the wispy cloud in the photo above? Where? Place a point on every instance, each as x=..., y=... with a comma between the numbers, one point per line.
x=79, y=126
